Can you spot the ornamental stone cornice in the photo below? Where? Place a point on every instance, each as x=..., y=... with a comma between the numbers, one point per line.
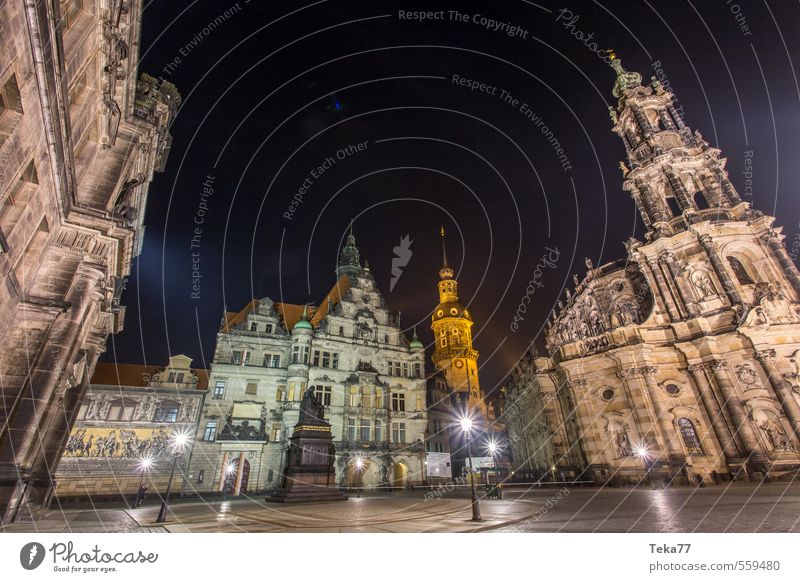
x=715, y=365
x=648, y=370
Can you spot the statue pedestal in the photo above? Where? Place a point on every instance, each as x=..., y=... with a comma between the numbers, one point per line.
x=310, y=475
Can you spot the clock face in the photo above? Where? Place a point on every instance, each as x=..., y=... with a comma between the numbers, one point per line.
x=459, y=364
x=440, y=313
x=453, y=311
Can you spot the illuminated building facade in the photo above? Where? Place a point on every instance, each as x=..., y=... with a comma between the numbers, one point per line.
x=679, y=362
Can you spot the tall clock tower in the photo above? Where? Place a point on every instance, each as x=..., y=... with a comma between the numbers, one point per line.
x=453, y=353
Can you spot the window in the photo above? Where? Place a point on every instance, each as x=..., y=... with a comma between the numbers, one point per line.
x=252, y=388
x=299, y=355
x=352, y=396
x=325, y=359
x=379, y=403
x=70, y=11
x=166, y=411
x=254, y=326
x=672, y=389
x=10, y=107
x=351, y=429
x=290, y=396
x=83, y=82
x=219, y=389
x=417, y=370
x=180, y=378
x=689, y=436
x=399, y=402
x=211, y=431
x=443, y=338
x=741, y=273
x=275, y=433
x=341, y=330
x=396, y=369
x=366, y=398
x=608, y=395
x=272, y=360
x=399, y=432
x=201, y=475
x=269, y=328
x=14, y=202
x=420, y=401
x=171, y=378
x=280, y=393
x=270, y=475
x=236, y=358
x=82, y=411
x=378, y=431
x=386, y=338
x=121, y=410
x=246, y=358
x=365, y=426
x=323, y=394
x=405, y=369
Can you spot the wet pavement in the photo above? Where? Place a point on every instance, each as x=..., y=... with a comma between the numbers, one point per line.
x=773, y=507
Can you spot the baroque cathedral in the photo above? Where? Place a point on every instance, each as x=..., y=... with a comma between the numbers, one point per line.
x=678, y=363
x=365, y=372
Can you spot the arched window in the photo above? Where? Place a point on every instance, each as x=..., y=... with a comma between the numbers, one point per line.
x=689, y=436
x=741, y=273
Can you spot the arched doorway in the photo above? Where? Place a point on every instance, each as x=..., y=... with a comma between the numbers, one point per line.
x=400, y=475
x=232, y=475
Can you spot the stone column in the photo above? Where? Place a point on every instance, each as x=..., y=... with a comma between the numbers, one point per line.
x=713, y=191
x=643, y=211
x=673, y=447
x=659, y=212
x=665, y=293
x=720, y=270
x=735, y=408
x=678, y=120
x=783, y=390
x=711, y=404
x=788, y=266
x=666, y=120
x=681, y=195
x=668, y=257
x=727, y=187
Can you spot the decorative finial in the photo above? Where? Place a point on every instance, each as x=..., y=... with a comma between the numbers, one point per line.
x=444, y=250
x=624, y=168
x=625, y=79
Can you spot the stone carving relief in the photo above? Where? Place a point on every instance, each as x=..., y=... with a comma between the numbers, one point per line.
x=748, y=375
x=703, y=284
x=117, y=443
x=776, y=435
x=621, y=440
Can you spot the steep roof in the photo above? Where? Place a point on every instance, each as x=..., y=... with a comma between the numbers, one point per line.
x=114, y=374
x=291, y=313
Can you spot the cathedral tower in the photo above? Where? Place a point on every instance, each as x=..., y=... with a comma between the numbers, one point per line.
x=453, y=352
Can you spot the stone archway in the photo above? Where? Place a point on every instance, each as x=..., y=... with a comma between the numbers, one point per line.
x=400, y=476
x=367, y=477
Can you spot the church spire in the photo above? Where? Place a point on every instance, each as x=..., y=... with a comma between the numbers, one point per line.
x=349, y=259
x=445, y=272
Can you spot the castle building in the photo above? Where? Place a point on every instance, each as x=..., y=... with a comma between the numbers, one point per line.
x=364, y=370
x=679, y=362
x=124, y=430
x=80, y=140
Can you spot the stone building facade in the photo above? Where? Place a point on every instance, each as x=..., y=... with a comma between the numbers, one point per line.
x=80, y=139
x=367, y=374
x=680, y=361
x=122, y=436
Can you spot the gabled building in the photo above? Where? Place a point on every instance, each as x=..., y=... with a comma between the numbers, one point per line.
x=351, y=350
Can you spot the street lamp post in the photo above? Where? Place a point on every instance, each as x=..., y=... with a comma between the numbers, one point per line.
x=643, y=453
x=466, y=426
x=229, y=468
x=359, y=468
x=178, y=443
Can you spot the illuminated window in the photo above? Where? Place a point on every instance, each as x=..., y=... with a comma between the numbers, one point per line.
x=121, y=410
x=689, y=436
x=741, y=273
x=219, y=389
x=399, y=432
x=399, y=402
x=166, y=411
x=210, y=433
x=279, y=393
x=352, y=397
x=275, y=433
x=366, y=398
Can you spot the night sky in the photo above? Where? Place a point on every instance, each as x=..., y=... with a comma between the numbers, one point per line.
x=276, y=88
